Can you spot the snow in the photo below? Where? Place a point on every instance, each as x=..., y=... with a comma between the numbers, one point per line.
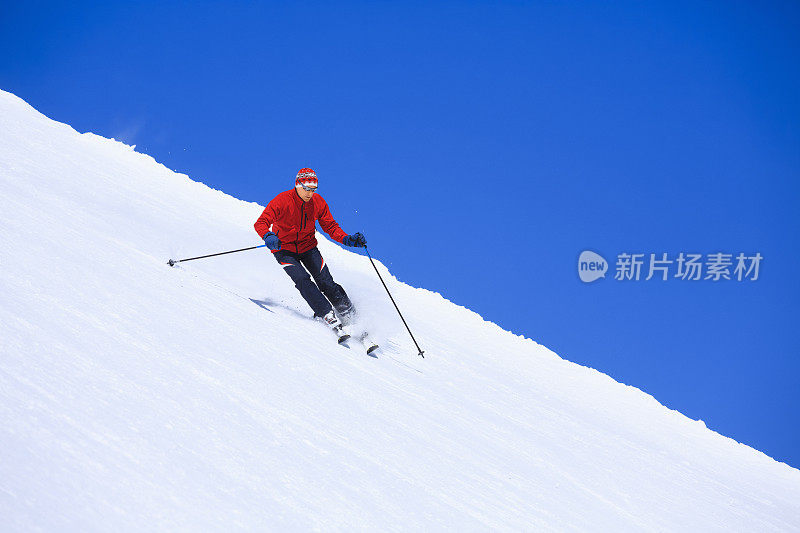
x=202, y=397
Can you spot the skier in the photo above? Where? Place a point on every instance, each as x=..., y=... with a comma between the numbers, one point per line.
x=287, y=226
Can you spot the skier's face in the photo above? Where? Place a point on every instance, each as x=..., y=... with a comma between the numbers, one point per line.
x=304, y=194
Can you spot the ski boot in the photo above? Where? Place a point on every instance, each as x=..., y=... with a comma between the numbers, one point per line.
x=333, y=322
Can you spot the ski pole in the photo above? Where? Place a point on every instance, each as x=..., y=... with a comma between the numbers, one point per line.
x=395, y=303
x=172, y=262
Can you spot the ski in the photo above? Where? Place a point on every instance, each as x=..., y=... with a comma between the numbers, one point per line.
x=367, y=342
x=341, y=334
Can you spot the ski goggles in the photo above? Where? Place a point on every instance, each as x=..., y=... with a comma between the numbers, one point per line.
x=309, y=188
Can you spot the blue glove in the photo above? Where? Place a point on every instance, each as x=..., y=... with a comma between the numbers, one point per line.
x=355, y=240
x=272, y=241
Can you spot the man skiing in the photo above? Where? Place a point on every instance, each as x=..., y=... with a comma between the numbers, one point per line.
x=287, y=226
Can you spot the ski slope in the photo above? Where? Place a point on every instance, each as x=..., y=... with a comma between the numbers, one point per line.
x=135, y=396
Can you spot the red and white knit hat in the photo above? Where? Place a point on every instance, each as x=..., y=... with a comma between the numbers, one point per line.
x=306, y=176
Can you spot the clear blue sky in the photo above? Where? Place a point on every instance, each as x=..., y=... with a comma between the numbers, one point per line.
x=482, y=146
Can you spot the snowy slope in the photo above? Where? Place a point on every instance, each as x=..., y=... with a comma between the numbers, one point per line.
x=134, y=395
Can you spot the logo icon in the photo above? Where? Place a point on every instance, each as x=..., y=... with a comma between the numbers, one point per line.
x=591, y=266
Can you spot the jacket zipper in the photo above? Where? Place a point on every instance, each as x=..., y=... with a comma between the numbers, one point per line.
x=302, y=224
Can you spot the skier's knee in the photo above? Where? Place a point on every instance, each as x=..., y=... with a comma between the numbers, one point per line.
x=299, y=276
x=302, y=282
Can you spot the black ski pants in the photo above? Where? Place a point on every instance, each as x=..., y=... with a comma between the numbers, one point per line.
x=325, y=291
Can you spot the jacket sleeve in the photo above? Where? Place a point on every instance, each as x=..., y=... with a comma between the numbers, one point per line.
x=328, y=224
x=266, y=219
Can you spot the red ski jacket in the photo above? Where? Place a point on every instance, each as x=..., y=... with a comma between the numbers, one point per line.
x=292, y=220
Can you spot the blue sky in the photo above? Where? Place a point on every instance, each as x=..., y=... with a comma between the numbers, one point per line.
x=482, y=146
